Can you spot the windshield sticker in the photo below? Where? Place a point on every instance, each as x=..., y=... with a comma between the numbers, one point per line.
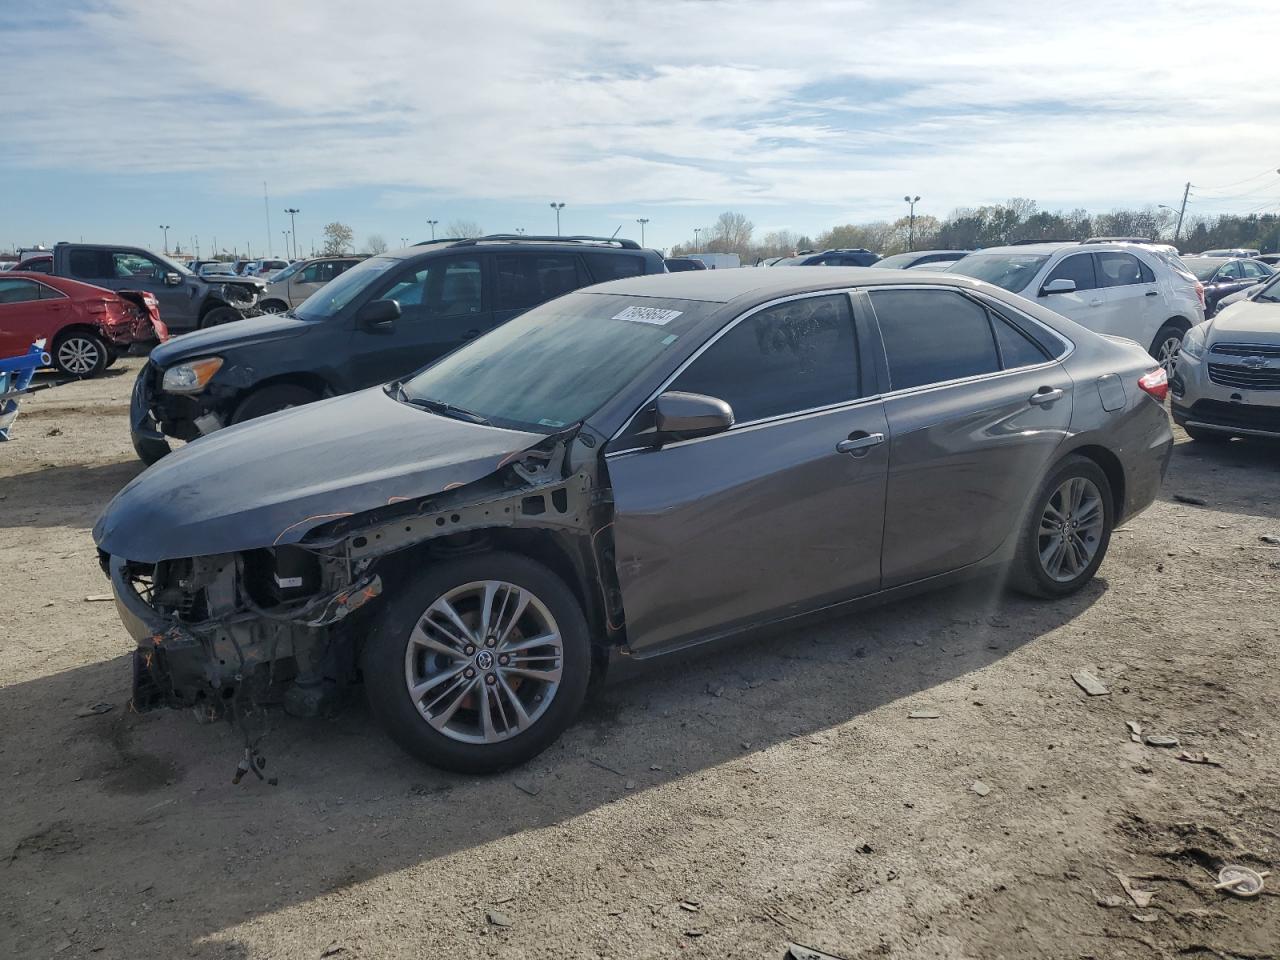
x=550, y=423
x=648, y=315
x=668, y=341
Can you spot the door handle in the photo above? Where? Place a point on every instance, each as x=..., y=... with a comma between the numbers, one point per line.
x=1045, y=396
x=1152, y=293
x=860, y=443
x=1095, y=303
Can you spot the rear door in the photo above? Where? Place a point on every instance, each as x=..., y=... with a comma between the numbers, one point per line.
x=769, y=518
x=976, y=409
x=442, y=305
x=29, y=311
x=524, y=279
x=1131, y=300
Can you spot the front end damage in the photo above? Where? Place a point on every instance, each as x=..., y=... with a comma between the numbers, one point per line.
x=229, y=633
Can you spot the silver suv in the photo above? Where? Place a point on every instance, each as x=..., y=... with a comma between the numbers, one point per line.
x=1228, y=375
x=1122, y=289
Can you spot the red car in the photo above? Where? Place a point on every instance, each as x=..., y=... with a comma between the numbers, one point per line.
x=85, y=328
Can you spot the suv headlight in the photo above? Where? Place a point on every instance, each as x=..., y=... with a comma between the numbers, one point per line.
x=1193, y=342
x=190, y=377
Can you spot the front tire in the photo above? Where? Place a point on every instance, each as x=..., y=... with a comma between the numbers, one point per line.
x=273, y=399
x=1066, y=532
x=479, y=664
x=218, y=316
x=79, y=353
x=273, y=306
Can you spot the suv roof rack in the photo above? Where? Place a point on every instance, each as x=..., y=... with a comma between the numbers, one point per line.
x=1119, y=240
x=531, y=238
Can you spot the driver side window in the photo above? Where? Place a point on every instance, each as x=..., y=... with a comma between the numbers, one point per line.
x=440, y=288
x=135, y=266
x=1079, y=268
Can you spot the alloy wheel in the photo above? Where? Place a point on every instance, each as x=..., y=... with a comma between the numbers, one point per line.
x=78, y=355
x=1167, y=354
x=484, y=661
x=1070, y=529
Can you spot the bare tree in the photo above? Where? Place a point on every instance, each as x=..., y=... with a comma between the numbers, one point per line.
x=731, y=234
x=375, y=245
x=463, y=228
x=337, y=238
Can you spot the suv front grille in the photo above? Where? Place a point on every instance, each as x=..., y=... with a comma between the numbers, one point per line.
x=1269, y=350
x=1245, y=378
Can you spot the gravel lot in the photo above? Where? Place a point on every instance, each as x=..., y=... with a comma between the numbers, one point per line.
x=720, y=806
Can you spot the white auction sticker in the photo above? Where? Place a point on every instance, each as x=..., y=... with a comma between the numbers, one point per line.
x=648, y=315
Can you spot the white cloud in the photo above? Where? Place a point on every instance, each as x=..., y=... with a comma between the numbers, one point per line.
x=828, y=104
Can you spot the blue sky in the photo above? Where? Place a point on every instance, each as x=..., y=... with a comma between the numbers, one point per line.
x=125, y=114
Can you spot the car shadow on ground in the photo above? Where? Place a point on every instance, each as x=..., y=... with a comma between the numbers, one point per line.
x=1232, y=476
x=127, y=810
x=62, y=495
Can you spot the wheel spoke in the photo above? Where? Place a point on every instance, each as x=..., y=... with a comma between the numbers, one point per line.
x=548, y=676
x=522, y=715
x=464, y=634
x=422, y=639
x=531, y=643
x=420, y=690
x=486, y=713
x=458, y=689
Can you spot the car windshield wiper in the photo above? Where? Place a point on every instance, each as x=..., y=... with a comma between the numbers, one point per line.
x=440, y=407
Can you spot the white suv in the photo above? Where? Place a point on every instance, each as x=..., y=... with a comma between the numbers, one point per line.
x=1123, y=289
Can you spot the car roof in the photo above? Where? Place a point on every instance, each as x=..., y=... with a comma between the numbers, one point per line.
x=723, y=286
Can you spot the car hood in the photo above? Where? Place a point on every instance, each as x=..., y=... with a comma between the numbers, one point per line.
x=1248, y=321
x=270, y=481
x=228, y=336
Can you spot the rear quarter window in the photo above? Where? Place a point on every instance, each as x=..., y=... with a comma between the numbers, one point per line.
x=613, y=266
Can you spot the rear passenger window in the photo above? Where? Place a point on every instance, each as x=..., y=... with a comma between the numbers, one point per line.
x=15, y=290
x=931, y=336
x=613, y=266
x=1016, y=350
x=1119, y=269
x=787, y=358
x=1078, y=268
x=91, y=264
x=525, y=280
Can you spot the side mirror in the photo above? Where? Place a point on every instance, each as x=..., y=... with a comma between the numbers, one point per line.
x=172, y=280
x=1061, y=285
x=680, y=416
x=379, y=316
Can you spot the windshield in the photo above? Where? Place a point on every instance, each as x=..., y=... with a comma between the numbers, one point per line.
x=792, y=261
x=171, y=265
x=329, y=300
x=1203, y=269
x=1271, y=292
x=288, y=272
x=560, y=362
x=1013, y=271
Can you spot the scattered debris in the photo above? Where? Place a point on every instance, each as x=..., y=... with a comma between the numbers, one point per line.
x=629, y=785
x=717, y=691
x=497, y=918
x=94, y=709
x=980, y=788
x=1194, y=501
x=1146, y=917
x=604, y=766
x=1161, y=740
x=654, y=766
x=796, y=951
x=99, y=598
x=1135, y=730
x=333, y=949
x=55, y=432
x=923, y=715
x=1111, y=901
x=693, y=906
x=1141, y=898
x=1090, y=684
x=1189, y=757
x=1268, y=538
x=694, y=933
x=531, y=789
x=1241, y=881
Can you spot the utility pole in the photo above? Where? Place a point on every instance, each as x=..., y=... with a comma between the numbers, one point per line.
x=286, y=242
x=642, y=221
x=165, y=228
x=432, y=225
x=696, y=233
x=266, y=208
x=911, y=228
x=1182, y=212
x=293, y=228
x=557, y=207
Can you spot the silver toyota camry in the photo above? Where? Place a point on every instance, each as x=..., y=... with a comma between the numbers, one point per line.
x=635, y=467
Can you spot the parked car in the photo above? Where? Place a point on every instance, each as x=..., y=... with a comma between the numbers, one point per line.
x=217, y=267
x=86, y=327
x=831, y=258
x=922, y=258
x=717, y=261
x=383, y=318
x=264, y=268
x=187, y=301
x=680, y=264
x=1233, y=252
x=1227, y=381
x=477, y=540
x=1223, y=276
x=1270, y=259
x=1122, y=289
x=767, y=261
x=35, y=263
x=296, y=282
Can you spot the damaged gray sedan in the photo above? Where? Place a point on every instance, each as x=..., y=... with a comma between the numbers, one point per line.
x=628, y=470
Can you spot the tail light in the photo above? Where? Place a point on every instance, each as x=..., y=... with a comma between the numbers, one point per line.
x=1155, y=384
x=1200, y=293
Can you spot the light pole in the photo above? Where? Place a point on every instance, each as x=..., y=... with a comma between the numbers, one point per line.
x=697, y=231
x=911, y=228
x=286, y=241
x=642, y=221
x=557, y=207
x=293, y=228
x=404, y=241
x=520, y=230
x=165, y=228
x=432, y=225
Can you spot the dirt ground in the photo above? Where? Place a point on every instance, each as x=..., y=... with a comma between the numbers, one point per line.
x=720, y=806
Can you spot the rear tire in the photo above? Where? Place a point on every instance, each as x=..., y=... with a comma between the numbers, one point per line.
x=272, y=399
x=80, y=353
x=396, y=659
x=218, y=316
x=1066, y=532
x=1165, y=347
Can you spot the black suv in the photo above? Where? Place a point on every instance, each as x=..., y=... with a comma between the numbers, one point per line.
x=831, y=258
x=384, y=318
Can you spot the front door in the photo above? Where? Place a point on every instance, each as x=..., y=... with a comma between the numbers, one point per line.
x=442, y=306
x=1085, y=303
x=975, y=414
x=312, y=277
x=780, y=514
